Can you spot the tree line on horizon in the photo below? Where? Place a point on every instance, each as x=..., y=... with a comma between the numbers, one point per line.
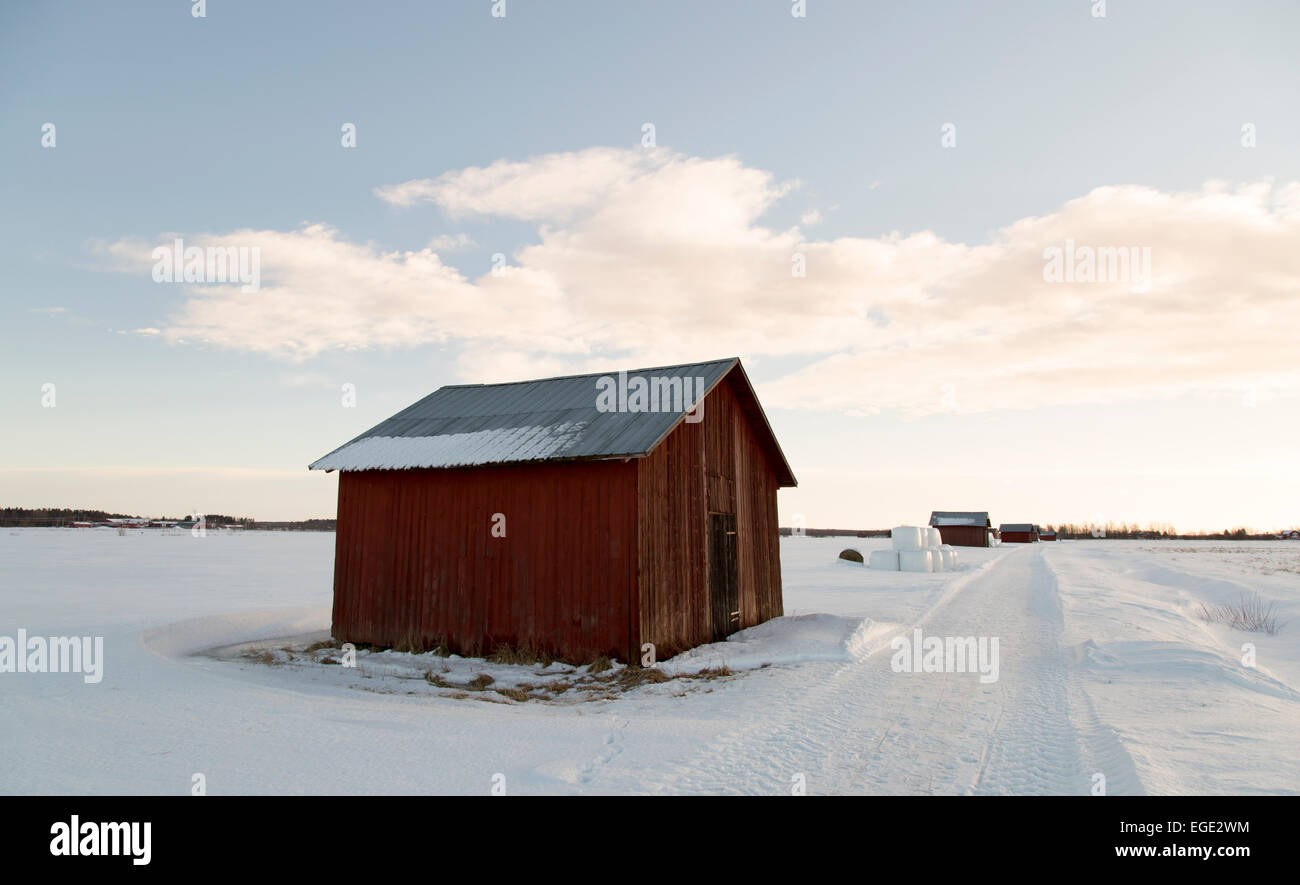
x=56, y=517
x=1083, y=531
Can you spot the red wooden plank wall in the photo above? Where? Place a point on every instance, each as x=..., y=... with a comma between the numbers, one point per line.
x=672, y=543
x=964, y=535
x=758, y=534
x=416, y=558
x=717, y=465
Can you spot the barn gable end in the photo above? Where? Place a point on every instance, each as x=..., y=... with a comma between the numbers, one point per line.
x=963, y=528
x=719, y=466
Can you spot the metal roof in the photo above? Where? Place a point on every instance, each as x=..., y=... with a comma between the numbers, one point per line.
x=960, y=517
x=552, y=419
x=1017, y=527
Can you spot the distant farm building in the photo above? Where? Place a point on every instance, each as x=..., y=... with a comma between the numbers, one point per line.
x=579, y=516
x=1290, y=535
x=963, y=528
x=1048, y=535
x=1018, y=533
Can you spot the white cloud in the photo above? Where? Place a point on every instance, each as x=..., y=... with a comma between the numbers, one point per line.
x=451, y=242
x=550, y=187
x=651, y=256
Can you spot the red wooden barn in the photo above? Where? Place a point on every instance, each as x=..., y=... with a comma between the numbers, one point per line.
x=583, y=515
x=1018, y=533
x=963, y=528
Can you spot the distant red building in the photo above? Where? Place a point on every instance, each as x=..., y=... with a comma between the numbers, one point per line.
x=1018, y=533
x=964, y=528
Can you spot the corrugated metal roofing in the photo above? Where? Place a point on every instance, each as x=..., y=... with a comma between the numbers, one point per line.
x=960, y=517
x=544, y=420
x=1017, y=527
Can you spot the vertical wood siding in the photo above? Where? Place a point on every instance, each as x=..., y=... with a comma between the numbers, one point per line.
x=964, y=535
x=717, y=465
x=416, y=560
x=1019, y=538
x=672, y=542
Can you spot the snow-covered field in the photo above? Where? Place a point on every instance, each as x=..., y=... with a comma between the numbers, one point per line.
x=1106, y=668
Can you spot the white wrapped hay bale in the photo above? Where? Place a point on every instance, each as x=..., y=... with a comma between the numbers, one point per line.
x=949, y=554
x=915, y=561
x=886, y=560
x=907, y=537
x=936, y=539
x=936, y=559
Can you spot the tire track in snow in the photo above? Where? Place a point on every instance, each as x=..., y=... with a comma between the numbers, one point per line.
x=819, y=693
x=861, y=728
x=1102, y=751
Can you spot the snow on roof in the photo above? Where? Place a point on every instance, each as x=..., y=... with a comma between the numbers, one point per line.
x=546, y=420
x=1017, y=527
x=528, y=443
x=960, y=517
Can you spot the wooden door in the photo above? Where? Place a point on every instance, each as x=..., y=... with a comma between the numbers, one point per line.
x=724, y=587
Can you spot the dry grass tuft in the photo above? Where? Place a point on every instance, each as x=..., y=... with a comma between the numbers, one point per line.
x=710, y=673
x=480, y=682
x=631, y=677
x=411, y=643
x=522, y=655
x=1249, y=613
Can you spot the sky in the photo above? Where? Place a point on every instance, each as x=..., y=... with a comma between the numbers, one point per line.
x=889, y=212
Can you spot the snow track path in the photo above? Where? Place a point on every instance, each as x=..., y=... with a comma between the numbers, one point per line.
x=862, y=728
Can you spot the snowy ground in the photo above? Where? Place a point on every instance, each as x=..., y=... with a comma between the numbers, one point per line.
x=1106, y=668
